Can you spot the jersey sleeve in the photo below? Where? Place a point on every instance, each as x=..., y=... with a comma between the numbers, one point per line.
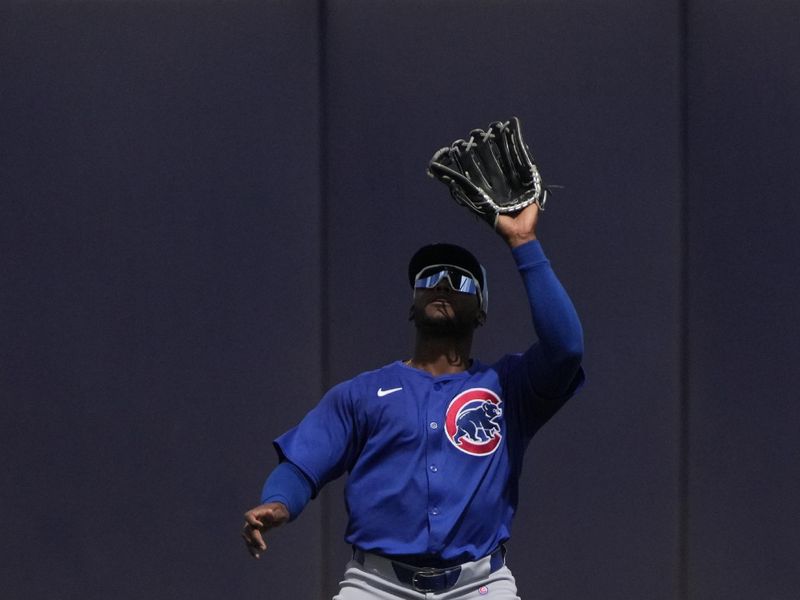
x=324, y=445
x=543, y=378
x=529, y=408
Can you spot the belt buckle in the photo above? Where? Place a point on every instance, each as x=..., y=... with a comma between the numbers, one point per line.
x=426, y=572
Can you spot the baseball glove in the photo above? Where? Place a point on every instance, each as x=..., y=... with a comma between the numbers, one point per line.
x=490, y=173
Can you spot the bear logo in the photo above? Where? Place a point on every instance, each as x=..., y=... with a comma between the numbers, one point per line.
x=472, y=422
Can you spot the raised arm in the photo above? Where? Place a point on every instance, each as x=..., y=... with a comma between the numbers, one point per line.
x=555, y=360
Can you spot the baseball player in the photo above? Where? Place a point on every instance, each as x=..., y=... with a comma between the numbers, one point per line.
x=434, y=444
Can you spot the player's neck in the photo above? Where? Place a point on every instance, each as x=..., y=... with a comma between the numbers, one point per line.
x=440, y=356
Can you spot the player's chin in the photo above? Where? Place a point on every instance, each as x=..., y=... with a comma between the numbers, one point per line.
x=440, y=325
x=440, y=310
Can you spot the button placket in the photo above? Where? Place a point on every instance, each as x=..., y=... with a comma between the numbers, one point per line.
x=437, y=483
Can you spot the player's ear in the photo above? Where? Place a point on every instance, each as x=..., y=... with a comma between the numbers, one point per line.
x=480, y=319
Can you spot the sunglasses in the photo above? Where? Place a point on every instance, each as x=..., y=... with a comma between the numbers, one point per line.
x=459, y=279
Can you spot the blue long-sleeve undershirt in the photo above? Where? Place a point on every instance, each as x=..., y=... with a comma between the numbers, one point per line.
x=288, y=485
x=555, y=360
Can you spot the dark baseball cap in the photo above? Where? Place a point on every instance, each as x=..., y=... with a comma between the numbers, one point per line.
x=445, y=254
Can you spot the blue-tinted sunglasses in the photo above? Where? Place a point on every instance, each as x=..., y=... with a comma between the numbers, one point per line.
x=460, y=279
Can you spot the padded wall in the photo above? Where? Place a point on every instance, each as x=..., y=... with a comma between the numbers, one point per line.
x=207, y=210
x=160, y=301
x=744, y=216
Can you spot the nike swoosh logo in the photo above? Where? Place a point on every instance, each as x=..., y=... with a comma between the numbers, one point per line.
x=382, y=392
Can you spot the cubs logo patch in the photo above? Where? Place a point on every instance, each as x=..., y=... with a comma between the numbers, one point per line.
x=472, y=421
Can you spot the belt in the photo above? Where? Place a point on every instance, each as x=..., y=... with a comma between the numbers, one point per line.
x=428, y=579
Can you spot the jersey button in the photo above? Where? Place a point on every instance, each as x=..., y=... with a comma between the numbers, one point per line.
x=434, y=425
x=435, y=511
x=433, y=468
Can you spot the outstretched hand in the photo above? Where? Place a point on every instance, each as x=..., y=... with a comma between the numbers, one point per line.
x=518, y=228
x=259, y=520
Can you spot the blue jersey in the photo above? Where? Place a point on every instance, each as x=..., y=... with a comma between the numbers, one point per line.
x=433, y=462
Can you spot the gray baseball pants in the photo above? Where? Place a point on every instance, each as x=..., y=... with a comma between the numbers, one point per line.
x=376, y=580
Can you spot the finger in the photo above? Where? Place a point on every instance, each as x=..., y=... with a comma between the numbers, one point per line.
x=257, y=539
x=252, y=520
x=523, y=162
x=509, y=158
x=485, y=152
x=500, y=146
x=495, y=171
x=253, y=539
x=441, y=158
x=252, y=535
x=254, y=552
x=466, y=154
x=450, y=176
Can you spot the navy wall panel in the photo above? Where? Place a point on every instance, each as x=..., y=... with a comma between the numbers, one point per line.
x=596, y=86
x=159, y=301
x=162, y=305
x=744, y=216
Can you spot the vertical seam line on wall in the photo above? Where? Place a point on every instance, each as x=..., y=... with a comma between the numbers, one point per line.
x=684, y=345
x=324, y=245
